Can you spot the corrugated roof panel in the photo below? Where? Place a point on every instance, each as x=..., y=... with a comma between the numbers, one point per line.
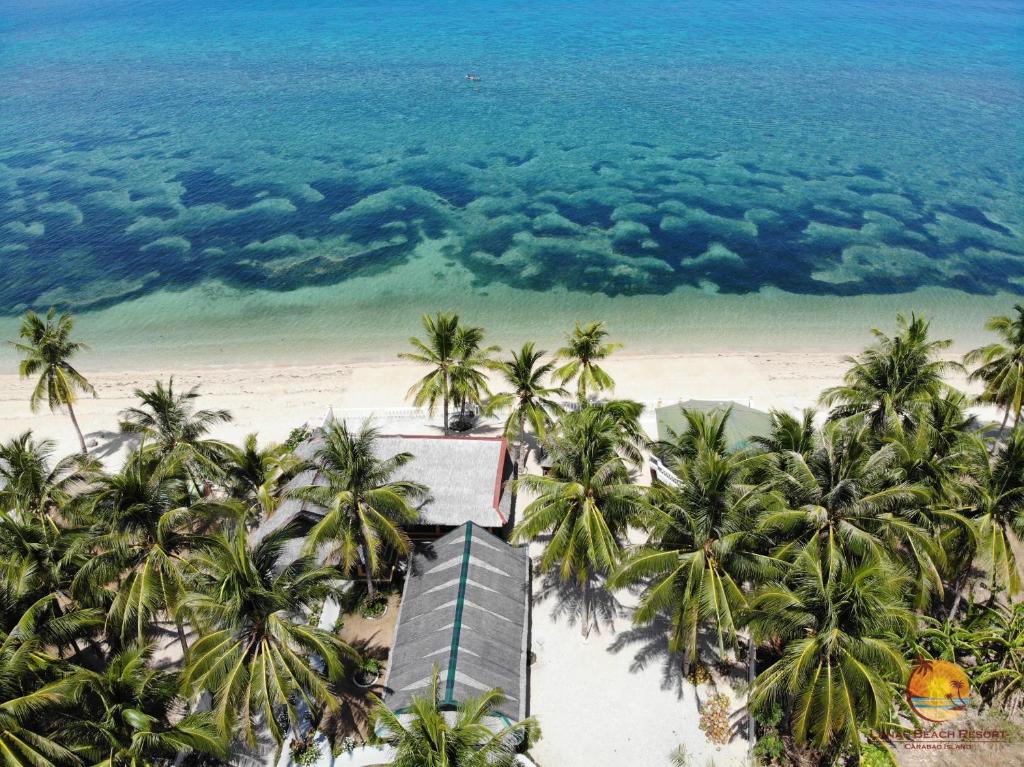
x=464, y=610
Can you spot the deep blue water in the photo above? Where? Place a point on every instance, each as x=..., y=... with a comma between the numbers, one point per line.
x=833, y=147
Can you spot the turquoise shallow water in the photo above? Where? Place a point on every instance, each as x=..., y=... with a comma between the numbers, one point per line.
x=847, y=149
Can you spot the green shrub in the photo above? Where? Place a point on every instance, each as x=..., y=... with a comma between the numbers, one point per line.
x=769, y=748
x=374, y=608
x=876, y=755
x=296, y=436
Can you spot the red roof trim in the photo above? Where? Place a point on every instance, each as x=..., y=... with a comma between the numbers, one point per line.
x=497, y=481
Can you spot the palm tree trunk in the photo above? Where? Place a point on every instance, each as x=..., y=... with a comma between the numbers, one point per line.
x=182, y=639
x=364, y=549
x=297, y=738
x=751, y=675
x=78, y=430
x=828, y=756
x=586, y=608
x=369, y=581
x=999, y=435
x=521, y=454
x=446, y=413
x=960, y=583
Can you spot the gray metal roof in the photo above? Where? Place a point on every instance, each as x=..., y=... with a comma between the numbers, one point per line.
x=465, y=476
x=465, y=611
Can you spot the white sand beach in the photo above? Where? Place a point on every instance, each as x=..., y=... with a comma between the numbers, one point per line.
x=272, y=400
x=618, y=697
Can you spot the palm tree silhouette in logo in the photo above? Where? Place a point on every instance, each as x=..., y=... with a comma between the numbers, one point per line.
x=959, y=704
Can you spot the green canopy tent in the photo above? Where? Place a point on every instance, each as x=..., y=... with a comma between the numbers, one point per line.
x=744, y=422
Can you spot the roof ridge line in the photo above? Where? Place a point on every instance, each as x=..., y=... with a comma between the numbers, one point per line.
x=460, y=600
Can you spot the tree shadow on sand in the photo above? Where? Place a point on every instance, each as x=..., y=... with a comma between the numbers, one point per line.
x=103, y=444
x=649, y=644
x=354, y=714
x=569, y=602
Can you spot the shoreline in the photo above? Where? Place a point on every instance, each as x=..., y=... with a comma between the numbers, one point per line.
x=368, y=319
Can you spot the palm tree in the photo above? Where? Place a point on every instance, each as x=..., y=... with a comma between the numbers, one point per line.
x=29, y=483
x=926, y=461
x=173, y=429
x=991, y=491
x=257, y=656
x=142, y=534
x=440, y=352
x=704, y=431
x=848, y=500
x=253, y=475
x=951, y=639
x=928, y=457
x=365, y=506
x=1001, y=366
x=468, y=377
x=31, y=687
x=124, y=715
x=834, y=626
x=38, y=547
x=892, y=377
x=41, y=558
x=584, y=348
x=428, y=736
x=787, y=433
x=997, y=640
x=530, y=401
x=949, y=416
x=585, y=502
x=701, y=554
x=623, y=417
x=47, y=348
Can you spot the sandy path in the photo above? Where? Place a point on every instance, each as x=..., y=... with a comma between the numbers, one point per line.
x=617, y=698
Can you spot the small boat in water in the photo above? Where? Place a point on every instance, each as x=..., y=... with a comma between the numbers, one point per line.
x=473, y=78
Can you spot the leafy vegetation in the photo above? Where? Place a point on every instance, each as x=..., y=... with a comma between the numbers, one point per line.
x=365, y=507
x=143, y=617
x=428, y=736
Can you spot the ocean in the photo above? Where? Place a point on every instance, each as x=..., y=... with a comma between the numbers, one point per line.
x=292, y=181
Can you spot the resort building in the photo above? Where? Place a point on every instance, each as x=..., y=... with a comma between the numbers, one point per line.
x=464, y=609
x=466, y=477
x=465, y=615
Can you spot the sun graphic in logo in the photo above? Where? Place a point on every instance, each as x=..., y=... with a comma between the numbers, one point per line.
x=938, y=690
